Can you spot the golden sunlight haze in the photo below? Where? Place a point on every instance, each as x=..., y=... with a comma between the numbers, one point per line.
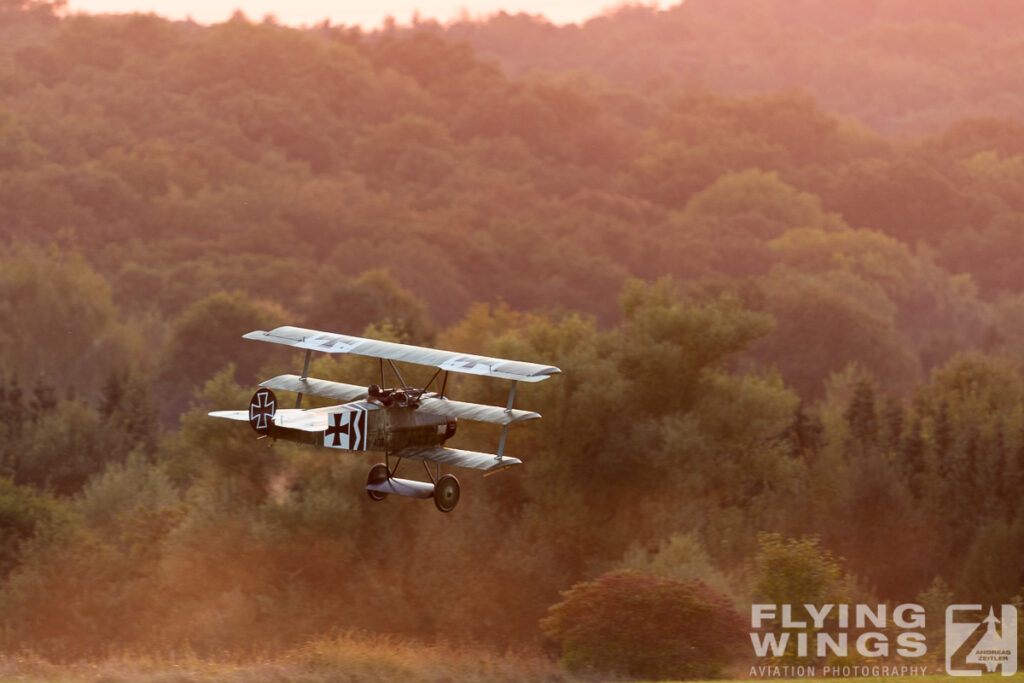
x=367, y=15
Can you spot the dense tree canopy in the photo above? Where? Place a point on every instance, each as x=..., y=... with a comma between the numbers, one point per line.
x=790, y=339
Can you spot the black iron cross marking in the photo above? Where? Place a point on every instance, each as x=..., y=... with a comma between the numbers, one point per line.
x=468, y=362
x=261, y=410
x=337, y=428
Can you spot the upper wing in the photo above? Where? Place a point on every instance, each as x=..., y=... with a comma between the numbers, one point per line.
x=328, y=342
x=487, y=462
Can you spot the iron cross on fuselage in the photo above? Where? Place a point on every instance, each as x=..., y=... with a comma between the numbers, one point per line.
x=337, y=429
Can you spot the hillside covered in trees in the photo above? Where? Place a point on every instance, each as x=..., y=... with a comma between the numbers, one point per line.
x=901, y=66
x=776, y=257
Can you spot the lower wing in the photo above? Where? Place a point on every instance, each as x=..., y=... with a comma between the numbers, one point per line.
x=488, y=462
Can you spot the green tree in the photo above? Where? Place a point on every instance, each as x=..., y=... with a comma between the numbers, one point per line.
x=208, y=336
x=129, y=412
x=59, y=319
x=825, y=323
x=909, y=199
x=668, y=337
x=16, y=148
x=22, y=510
x=795, y=571
x=410, y=149
x=226, y=453
x=680, y=556
x=990, y=570
x=763, y=194
x=374, y=297
x=862, y=414
x=61, y=451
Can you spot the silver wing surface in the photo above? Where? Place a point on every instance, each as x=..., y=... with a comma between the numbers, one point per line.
x=339, y=391
x=316, y=420
x=453, y=456
x=475, y=411
x=430, y=404
x=452, y=361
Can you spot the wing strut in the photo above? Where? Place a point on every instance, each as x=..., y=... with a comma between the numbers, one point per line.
x=504, y=428
x=305, y=373
x=432, y=378
x=397, y=373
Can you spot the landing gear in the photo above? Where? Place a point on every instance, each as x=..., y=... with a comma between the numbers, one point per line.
x=382, y=482
x=378, y=475
x=446, y=493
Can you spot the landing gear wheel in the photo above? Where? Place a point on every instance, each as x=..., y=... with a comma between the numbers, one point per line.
x=378, y=474
x=446, y=493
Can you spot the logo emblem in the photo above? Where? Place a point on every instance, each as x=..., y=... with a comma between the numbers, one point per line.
x=975, y=642
x=261, y=411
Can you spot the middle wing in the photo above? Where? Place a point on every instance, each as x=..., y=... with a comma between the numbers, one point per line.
x=316, y=387
x=436, y=406
x=475, y=411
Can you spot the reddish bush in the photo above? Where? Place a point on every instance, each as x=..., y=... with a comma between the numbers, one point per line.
x=645, y=626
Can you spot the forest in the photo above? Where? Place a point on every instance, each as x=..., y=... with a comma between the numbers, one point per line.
x=773, y=246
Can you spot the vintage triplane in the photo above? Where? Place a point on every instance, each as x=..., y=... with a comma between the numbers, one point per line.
x=403, y=422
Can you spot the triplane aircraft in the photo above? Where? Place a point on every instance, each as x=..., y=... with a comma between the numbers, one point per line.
x=405, y=423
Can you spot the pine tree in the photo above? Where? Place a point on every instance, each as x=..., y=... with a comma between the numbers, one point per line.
x=912, y=458
x=44, y=399
x=861, y=414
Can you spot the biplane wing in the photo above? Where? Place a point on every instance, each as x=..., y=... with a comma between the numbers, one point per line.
x=475, y=411
x=339, y=391
x=317, y=420
x=454, y=456
x=431, y=404
x=329, y=342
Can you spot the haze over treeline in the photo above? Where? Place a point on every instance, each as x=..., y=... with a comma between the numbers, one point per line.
x=902, y=66
x=770, y=317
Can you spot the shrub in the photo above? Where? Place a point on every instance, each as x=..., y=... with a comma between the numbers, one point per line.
x=795, y=571
x=645, y=626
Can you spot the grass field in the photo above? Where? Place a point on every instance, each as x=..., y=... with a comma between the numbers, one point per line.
x=336, y=660
x=931, y=678
x=347, y=659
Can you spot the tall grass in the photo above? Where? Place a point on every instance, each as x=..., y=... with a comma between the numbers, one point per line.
x=344, y=659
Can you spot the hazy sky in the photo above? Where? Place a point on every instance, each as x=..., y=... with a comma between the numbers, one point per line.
x=367, y=14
